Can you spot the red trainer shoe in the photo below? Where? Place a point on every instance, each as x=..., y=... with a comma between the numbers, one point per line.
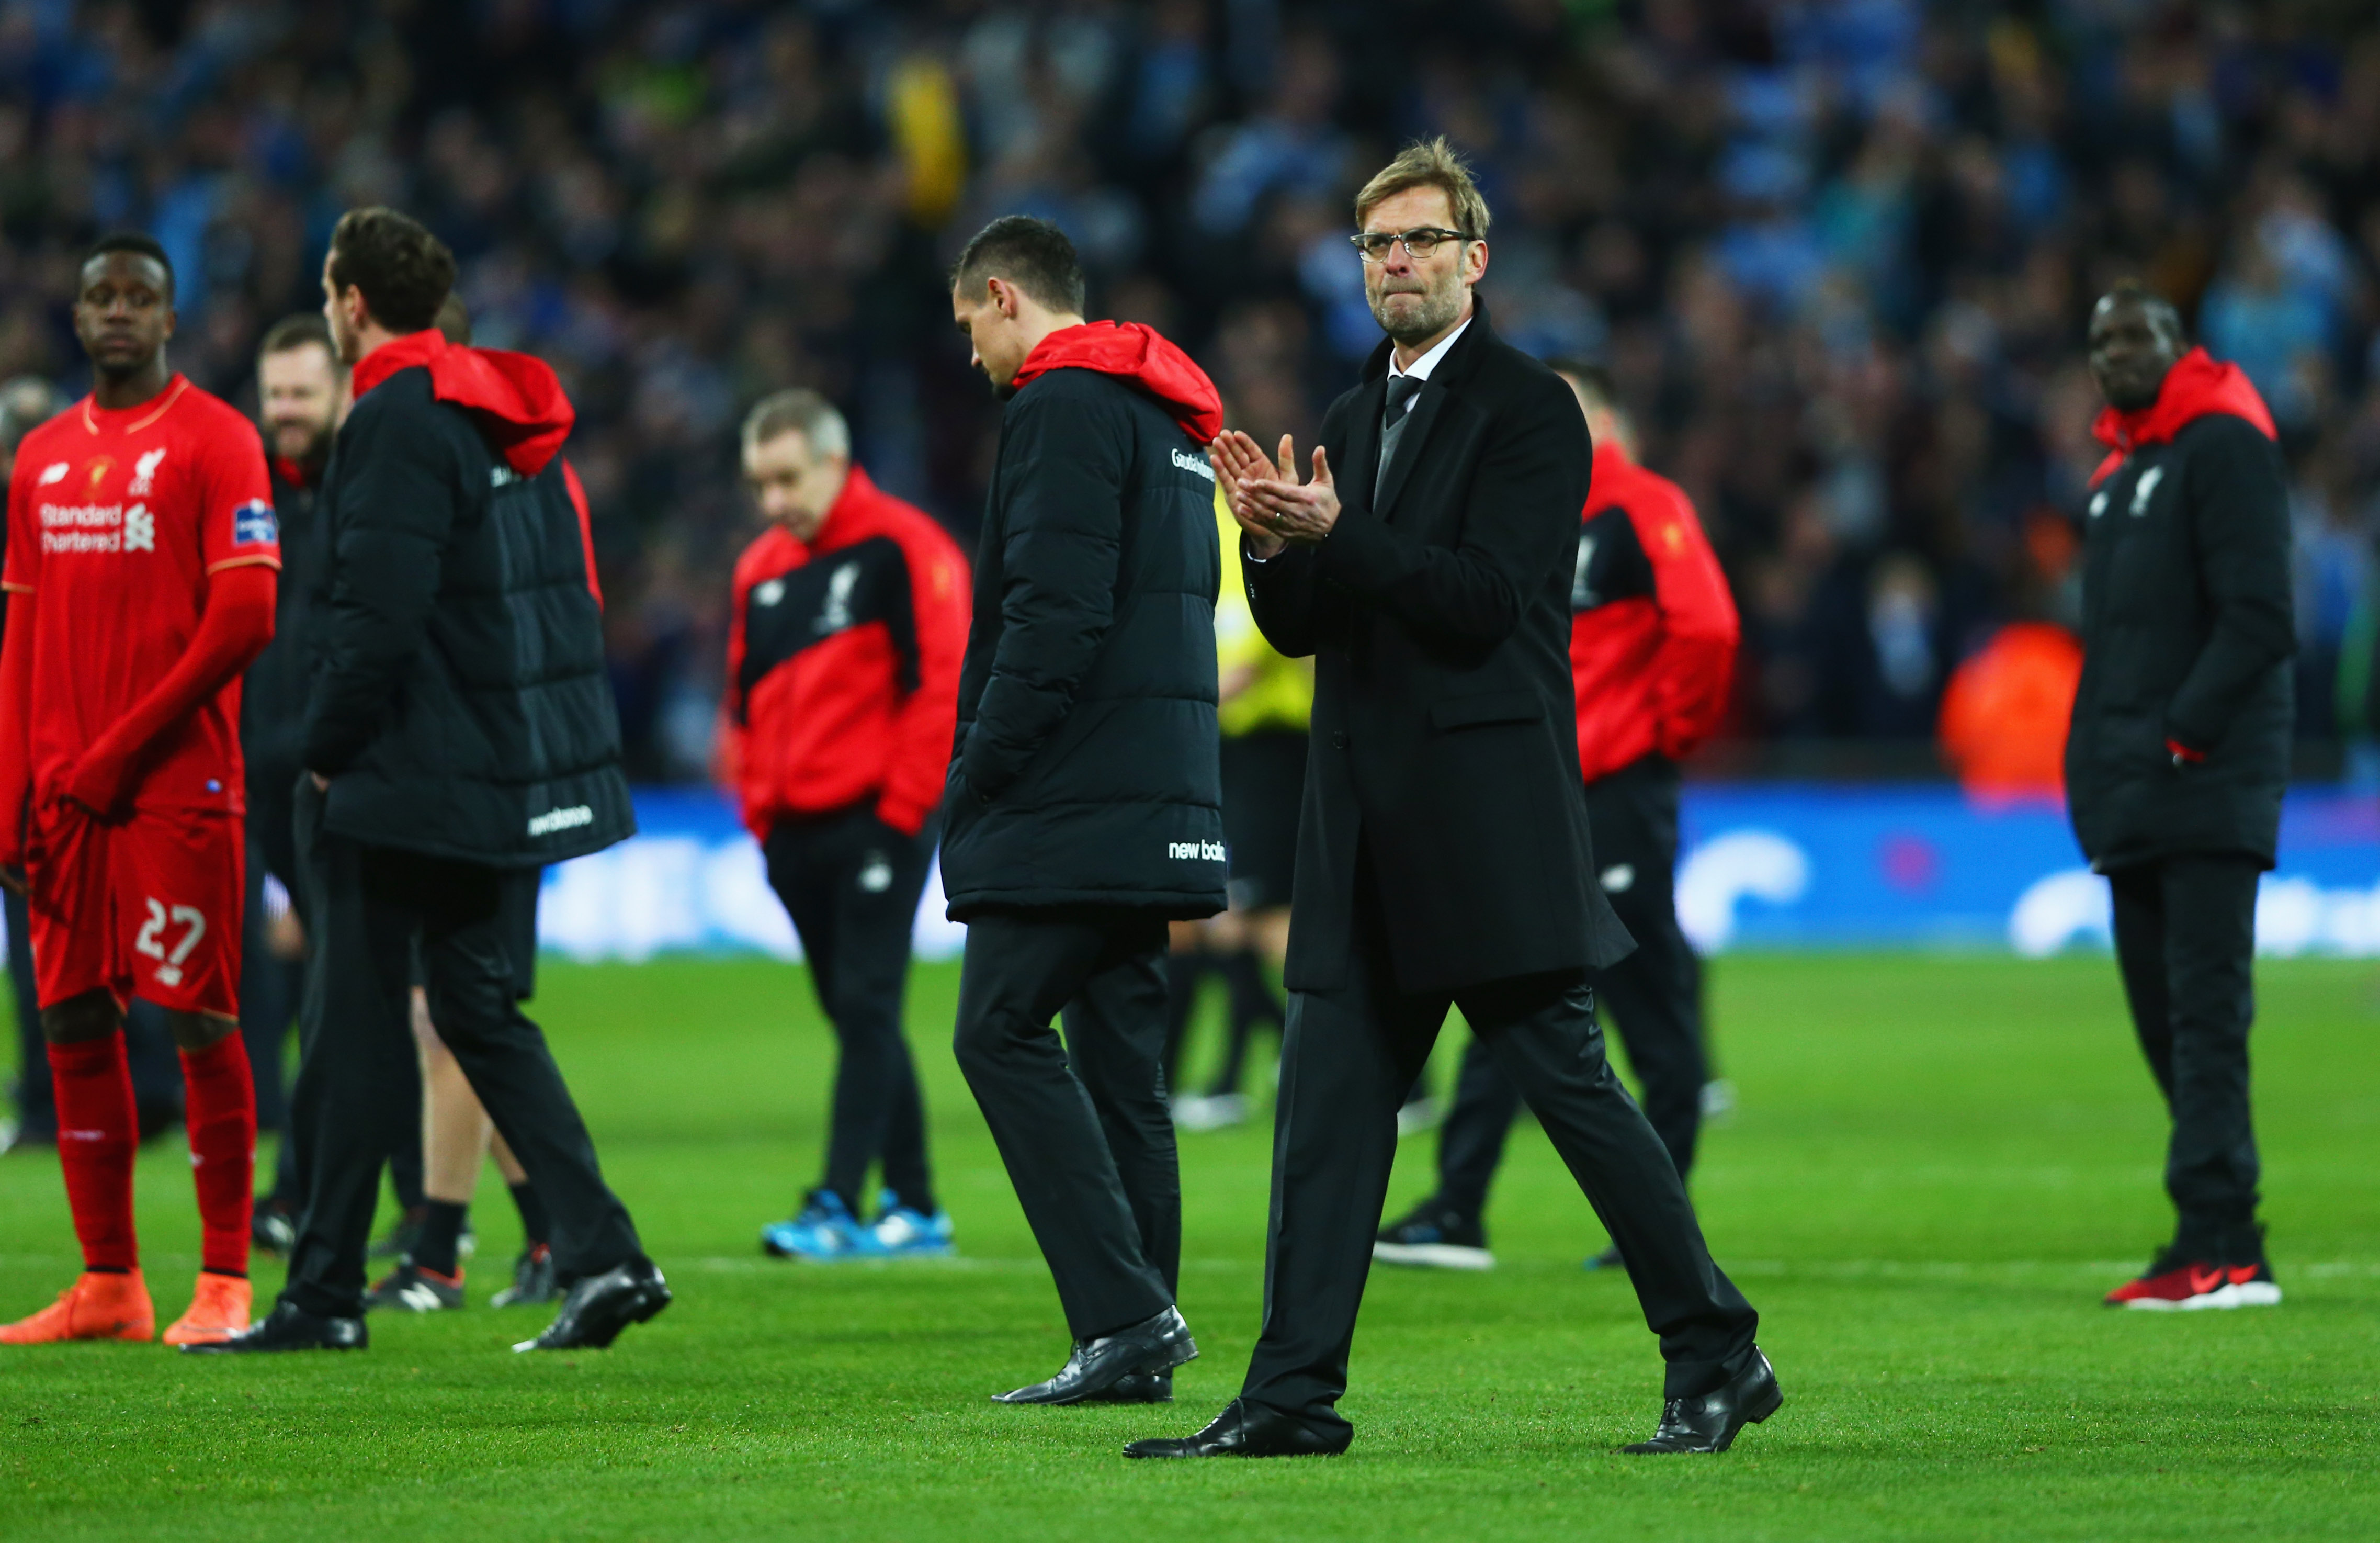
x=97, y=1307
x=2191, y=1286
x=218, y=1310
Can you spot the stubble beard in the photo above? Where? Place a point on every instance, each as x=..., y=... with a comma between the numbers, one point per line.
x=1441, y=304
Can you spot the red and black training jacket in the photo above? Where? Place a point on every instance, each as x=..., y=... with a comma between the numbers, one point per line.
x=843, y=663
x=1653, y=628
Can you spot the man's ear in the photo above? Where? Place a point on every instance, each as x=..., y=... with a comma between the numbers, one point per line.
x=1004, y=295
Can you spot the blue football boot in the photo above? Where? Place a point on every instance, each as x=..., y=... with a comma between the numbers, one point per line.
x=825, y=1233
x=901, y=1233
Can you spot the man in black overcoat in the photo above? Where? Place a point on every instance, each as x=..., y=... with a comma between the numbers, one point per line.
x=2179, y=755
x=1443, y=854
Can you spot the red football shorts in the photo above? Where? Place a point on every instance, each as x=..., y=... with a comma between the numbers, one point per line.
x=150, y=907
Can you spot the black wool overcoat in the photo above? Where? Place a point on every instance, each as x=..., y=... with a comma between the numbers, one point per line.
x=458, y=700
x=1444, y=738
x=1086, y=768
x=2188, y=629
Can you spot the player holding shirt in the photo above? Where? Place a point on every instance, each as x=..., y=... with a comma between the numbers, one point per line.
x=142, y=560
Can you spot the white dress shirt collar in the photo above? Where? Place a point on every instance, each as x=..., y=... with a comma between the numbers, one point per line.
x=1419, y=369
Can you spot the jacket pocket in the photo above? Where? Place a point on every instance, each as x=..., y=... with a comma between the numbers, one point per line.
x=1490, y=707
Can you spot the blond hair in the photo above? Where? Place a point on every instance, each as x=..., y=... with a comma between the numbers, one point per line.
x=1429, y=164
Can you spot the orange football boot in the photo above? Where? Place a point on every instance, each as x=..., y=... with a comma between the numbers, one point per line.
x=97, y=1307
x=217, y=1312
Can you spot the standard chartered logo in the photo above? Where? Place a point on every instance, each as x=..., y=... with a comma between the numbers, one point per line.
x=139, y=529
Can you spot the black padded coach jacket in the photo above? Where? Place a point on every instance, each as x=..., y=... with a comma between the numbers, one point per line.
x=1086, y=766
x=458, y=700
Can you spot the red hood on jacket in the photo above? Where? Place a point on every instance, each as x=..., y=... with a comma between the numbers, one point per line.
x=516, y=398
x=2194, y=387
x=1135, y=353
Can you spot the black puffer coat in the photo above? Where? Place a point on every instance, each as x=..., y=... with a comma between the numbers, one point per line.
x=1085, y=769
x=458, y=701
x=2187, y=635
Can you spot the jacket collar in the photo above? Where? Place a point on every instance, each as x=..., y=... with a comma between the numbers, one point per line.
x=1450, y=375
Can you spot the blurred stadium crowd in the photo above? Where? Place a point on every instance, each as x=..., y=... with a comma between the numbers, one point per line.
x=1838, y=254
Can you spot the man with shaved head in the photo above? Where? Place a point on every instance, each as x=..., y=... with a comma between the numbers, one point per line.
x=2179, y=755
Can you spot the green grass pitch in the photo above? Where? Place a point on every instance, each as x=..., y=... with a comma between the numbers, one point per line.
x=1936, y=1167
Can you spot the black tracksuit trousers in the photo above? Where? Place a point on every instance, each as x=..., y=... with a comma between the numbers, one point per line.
x=1083, y=1125
x=851, y=883
x=2185, y=942
x=370, y=906
x=1656, y=993
x=1348, y=1057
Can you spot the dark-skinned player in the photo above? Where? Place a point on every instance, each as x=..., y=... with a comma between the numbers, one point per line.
x=142, y=561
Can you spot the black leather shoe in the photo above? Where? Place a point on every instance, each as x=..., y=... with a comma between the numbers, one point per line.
x=1709, y=1423
x=1246, y=1429
x=288, y=1327
x=599, y=1307
x=1153, y=1344
x=1141, y=1387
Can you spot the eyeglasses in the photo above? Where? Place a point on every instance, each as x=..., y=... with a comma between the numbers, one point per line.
x=1420, y=243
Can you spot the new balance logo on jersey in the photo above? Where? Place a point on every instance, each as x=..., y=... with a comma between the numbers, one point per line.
x=253, y=524
x=1196, y=851
x=561, y=820
x=51, y=474
x=500, y=475
x=144, y=471
x=139, y=529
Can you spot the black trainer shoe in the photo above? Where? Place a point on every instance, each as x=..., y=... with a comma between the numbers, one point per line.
x=1431, y=1237
x=288, y=1327
x=411, y=1289
x=601, y=1305
x=533, y=1281
x=273, y=1230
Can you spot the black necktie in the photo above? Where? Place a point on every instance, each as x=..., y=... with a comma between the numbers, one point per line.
x=1402, y=389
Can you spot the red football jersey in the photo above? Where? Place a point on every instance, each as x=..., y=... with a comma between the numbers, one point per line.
x=115, y=521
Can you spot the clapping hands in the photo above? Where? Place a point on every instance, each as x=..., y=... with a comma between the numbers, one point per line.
x=1265, y=497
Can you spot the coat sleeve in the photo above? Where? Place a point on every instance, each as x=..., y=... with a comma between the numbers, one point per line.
x=2239, y=520
x=939, y=611
x=1520, y=514
x=398, y=493
x=1280, y=588
x=1064, y=465
x=1695, y=663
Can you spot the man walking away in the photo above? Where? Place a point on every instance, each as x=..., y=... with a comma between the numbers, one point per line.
x=460, y=735
x=847, y=625
x=1652, y=651
x=1443, y=854
x=1083, y=808
x=2179, y=753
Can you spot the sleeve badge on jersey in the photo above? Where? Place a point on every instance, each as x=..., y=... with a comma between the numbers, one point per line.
x=252, y=524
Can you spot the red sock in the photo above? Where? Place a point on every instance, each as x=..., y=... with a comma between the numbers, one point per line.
x=221, y=1114
x=97, y=1134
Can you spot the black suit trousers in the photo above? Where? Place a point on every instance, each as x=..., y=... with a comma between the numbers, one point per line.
x=1082, y=1126
x=850, y=882
x=2186, y=941
x=1655, y=993
x=372, y=907
x=1348, y=1057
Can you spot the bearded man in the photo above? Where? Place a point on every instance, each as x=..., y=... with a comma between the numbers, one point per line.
x=1443, y=851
